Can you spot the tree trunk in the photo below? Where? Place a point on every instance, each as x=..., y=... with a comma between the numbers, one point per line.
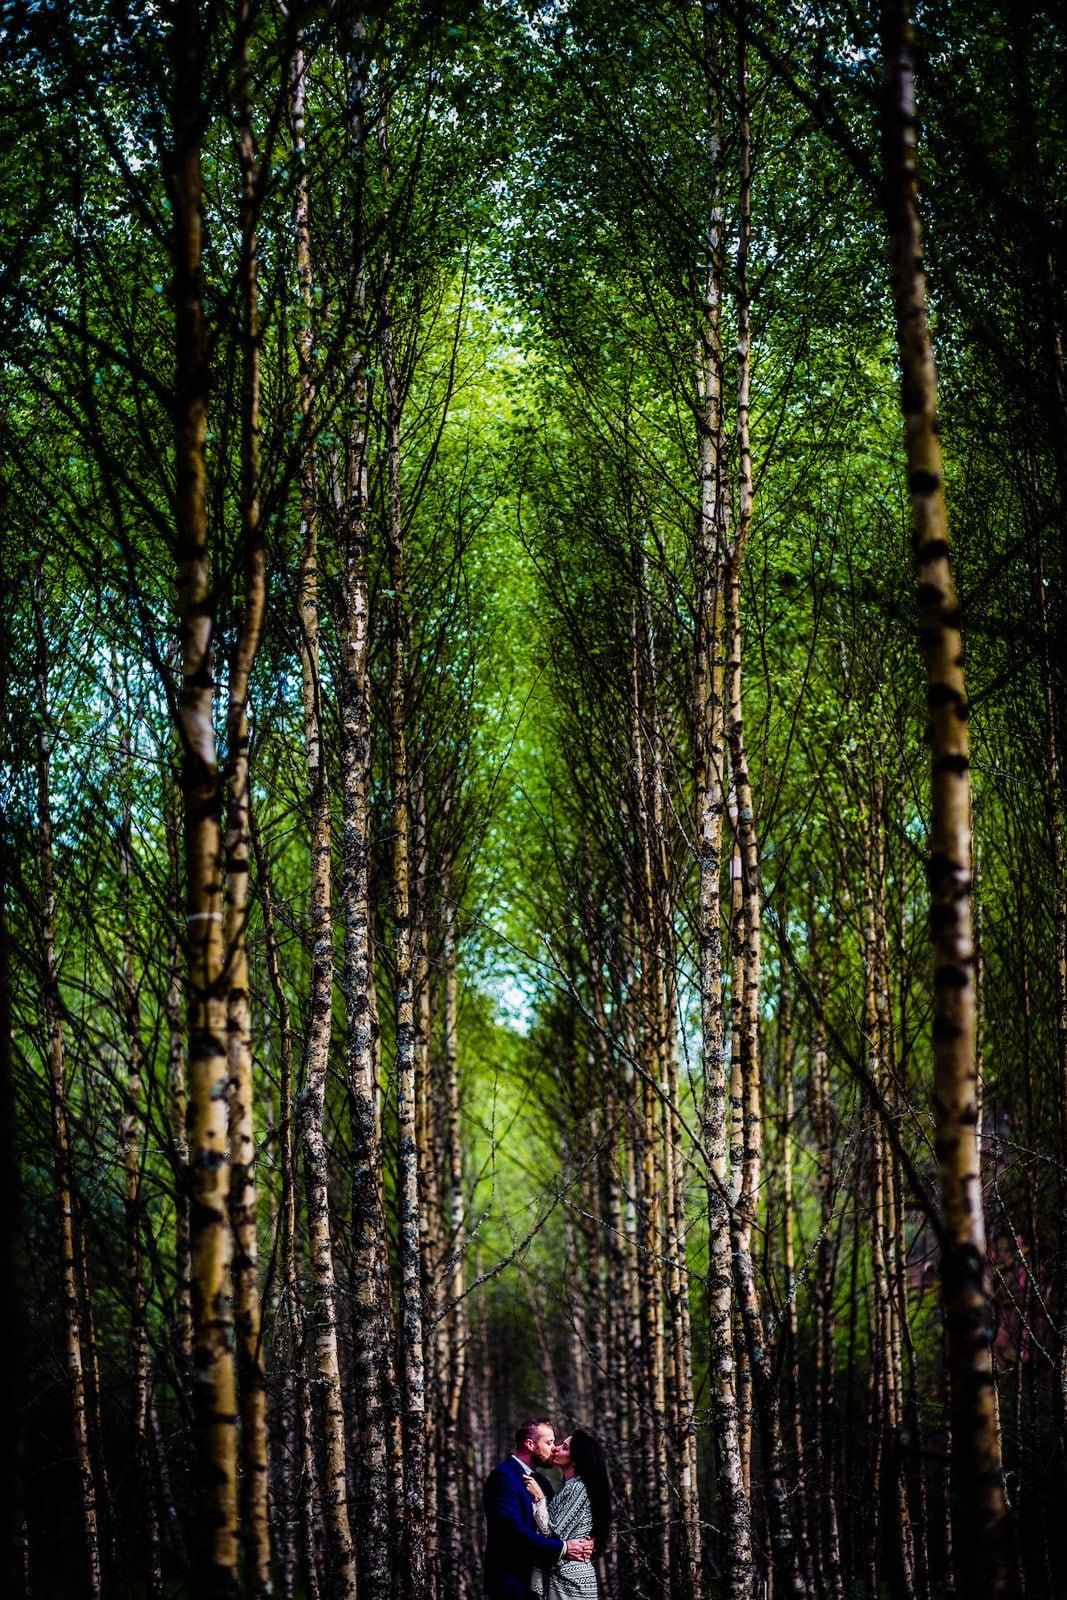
x=215, y=1399
x=131, y=1148
x=294, y=1409
x=13, y=1534
x=371, y=1328
x=980, y=1509
x=710, y=746
x=255, y=1472
x=61, y=1151
x=454, y=1311
x=826, y=1428
x=414, y=1532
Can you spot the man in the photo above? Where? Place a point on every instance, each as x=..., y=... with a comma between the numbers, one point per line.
x=513, y=1546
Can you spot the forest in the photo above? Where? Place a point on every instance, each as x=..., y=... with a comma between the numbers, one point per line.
x=532, y=867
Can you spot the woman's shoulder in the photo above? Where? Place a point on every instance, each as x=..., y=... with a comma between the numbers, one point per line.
x=573, y=1489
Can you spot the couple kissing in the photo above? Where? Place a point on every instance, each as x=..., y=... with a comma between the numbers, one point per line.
x=541, y=1543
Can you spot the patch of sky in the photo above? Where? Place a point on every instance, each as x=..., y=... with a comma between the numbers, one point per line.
x=513, y=1004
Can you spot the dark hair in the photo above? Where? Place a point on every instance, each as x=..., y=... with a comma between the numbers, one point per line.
x=588, y=1461
x=525, y=1429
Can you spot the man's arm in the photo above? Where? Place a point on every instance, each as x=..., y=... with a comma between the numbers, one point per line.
x=506, y=1501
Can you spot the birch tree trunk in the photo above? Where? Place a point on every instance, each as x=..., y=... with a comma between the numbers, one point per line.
x=14, y=1578
x=428, y=1154
x=746, y=1030
x=454, y=1312
x=371, y=1327
x=178, y=1100
x=334, y=1488
x=979, y=1502
x=294, y=1410
x=413, y=1375
x=131, y=1145
x=255, y=1471
x=650, y=1043
x=711, y=805
x=215, y=1398
x=826, y=1430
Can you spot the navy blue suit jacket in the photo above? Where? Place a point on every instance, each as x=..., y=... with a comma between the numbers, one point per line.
x=513, y=1546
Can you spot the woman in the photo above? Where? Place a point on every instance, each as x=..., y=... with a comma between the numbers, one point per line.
x=580, y=1509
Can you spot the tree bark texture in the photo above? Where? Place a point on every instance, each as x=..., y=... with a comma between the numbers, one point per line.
x=980, y=1509
x=215, y=1398
x=412, y=1343
x=255, y=1471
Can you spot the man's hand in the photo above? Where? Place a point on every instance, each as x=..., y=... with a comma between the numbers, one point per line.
x=579, y=1550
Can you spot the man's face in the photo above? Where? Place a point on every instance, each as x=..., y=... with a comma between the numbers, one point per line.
x=541, y=1444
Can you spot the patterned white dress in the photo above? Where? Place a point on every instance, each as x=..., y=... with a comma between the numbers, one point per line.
x=569, y=1516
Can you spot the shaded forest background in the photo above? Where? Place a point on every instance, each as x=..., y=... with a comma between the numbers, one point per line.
x=465, y=789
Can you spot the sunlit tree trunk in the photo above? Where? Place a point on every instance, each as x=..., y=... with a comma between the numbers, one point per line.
x=980, y=1510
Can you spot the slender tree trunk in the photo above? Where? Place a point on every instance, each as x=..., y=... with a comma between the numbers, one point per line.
x=793, y=1421
x=711, y=805
x=677, y=1272
x=64, y=1179
x=980, y=1509
x=371, y=1334
x=1054, y=823
x=427, y=1152
x=61, y=1132
x=131, y=1143
x=165, y=1491
x=371, y=1329
x=746, y=1029
x=289, y=1326
x=826, y=1431
x=255, y=1473
x=178, y=1106
x=14, y=1577
x=413, y=1366
x=651, y=1044
x=334, y=1489
x=301, y=1488
x=746, y=1003
x=215, y=1399
x=881, y=1417
x=454, y=1314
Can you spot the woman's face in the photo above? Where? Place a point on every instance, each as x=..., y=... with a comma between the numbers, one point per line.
x=561, y=1455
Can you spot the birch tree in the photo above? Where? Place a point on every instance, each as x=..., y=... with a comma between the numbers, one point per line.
x=980, y=1506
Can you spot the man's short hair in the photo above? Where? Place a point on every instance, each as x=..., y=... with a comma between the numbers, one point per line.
x=525, y=1430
